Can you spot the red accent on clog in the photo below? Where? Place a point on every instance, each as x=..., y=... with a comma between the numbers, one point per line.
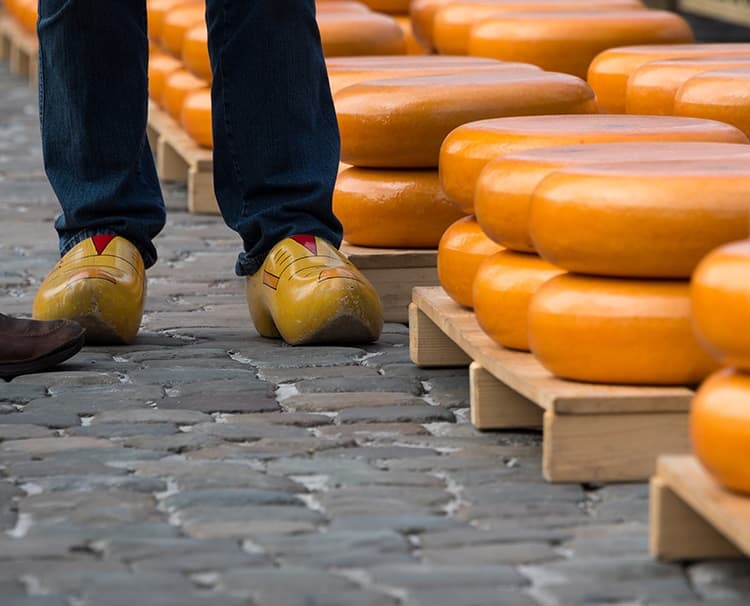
x=101, y=241
x=307, y=241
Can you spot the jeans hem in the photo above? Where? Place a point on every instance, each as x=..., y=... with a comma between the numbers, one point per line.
x=247, y=264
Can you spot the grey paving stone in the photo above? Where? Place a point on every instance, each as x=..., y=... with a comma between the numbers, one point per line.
x=19, y=432
x=373, y=430
x=300, y=357
x=148, y=415
x=245, y=400
x=241, y=432
x=407, y=523
x=377, y=452
x=430, y=576
x=230, y=497
x=360, y=384
x=421, y=413
x=67, y=377
x=469, y=596
x=326, y=402
x=614, y=592
x=293, y=375
x=43, y=548
x=89, y=532
x=498, y=553
x=184, y=353
x=45, y=446
x=299, y=419
x=20, y=393
x=175, y=443
x=249, y=521
x=92, y=507
x=90, y=482
x=120, y=430
x=451, y=391
x=721, y=580
x=37, y=600
x=182, y=376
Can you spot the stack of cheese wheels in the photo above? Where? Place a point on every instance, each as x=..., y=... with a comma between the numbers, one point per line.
x=399, y=124
x=652, y=88
x=569, y=41
x=722, y=95
x=469, y=148
x=422, y=14
x=505, y=282
x=452, y=25
x=609, y=72
x=720, y=415
x=633, y=233
x=23, y=12
x=355, y=33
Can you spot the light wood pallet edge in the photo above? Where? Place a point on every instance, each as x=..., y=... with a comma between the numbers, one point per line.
x=723, y=10
x=20, y=49
x=581, y=443
x=693, y=517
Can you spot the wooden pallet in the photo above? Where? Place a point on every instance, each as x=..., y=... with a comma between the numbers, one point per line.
x=592, y=433
x=733, y=11
x=693, y=517
x=20, y=49
x=179, y=158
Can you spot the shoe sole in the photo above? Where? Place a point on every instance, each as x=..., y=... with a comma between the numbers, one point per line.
x=344, y=329
x=10, y=371
x=98, y=332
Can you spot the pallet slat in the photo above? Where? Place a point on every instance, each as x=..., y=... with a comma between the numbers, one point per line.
x=20, y=48
x=693, y=517
x=591, y=432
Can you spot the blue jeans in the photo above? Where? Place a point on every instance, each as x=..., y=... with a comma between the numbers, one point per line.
x=276, y=142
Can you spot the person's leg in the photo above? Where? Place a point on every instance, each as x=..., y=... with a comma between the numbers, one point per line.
x=276, y=154
x=93, y=66
x=276, y=141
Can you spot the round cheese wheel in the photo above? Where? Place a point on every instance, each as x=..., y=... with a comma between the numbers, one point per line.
x=467, y=150
x=341, y=6
x=196, y=117
x=652, y=87
x=568, y=41
x=401, y=122
x=604, y=330
x=502, y=291
x=195, y=52
x=177, y=23
x=392, y=209
x=461, y=251
x=609, y=71
x=452, y=24
x=178, y=85
x=720, y=428
x=160, y=66
x=422, y=13
x=350, y=33
x=721, y=301
x=648, y=220
x=722, y=95
x=394, y=7
x=408, y=67
x=413, y=45
x=158, y=11
x=26, y=15
x=502, y=201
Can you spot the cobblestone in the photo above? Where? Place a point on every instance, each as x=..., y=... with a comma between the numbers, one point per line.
x=206, y=465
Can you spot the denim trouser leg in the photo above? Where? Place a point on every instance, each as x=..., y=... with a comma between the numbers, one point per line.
x=93, y=103
x=276, y=141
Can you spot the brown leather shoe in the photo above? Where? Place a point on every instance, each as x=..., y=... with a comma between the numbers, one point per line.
x=28, y=346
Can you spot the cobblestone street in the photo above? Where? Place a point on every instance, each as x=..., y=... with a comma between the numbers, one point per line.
x=207, y=466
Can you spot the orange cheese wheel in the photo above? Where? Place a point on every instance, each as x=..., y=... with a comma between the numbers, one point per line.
x=468, y=149
x=26, y=15
x=178, y=85
x=604, y=330
x=177, y=23
x=341, y=6
x=160, y=66
x=392, y=209
x=502, y=201
x=196, y=117
x=652, y=87
x=422, y=14
x=452, y=24
x=413, y=45
x=502, y=291
x=350, y=33
x=393, y=7
x=720, y=428
x=408, y=67
x=461, y=251
x=649, y=220
x=195, y=52
x=401, y=122
x=609, y=71
x=158, y=11
x=568, y=41
x=721, y=304
x=722, y=95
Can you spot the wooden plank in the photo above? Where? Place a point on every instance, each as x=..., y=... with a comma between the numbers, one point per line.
x=678, y=533
x=394, y=287
x=388, y=258
x=429, y=346
x=610, y=447
x=523, y=373
x=724, y=10
x=494, y=405
x=4, y=39
x=728, y=513
x=21, y=49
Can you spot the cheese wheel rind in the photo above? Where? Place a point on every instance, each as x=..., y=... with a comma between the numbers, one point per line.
x=392, y=209
x=461, y=250
x=502, y=291
x=720, y=428
x=602, y=330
